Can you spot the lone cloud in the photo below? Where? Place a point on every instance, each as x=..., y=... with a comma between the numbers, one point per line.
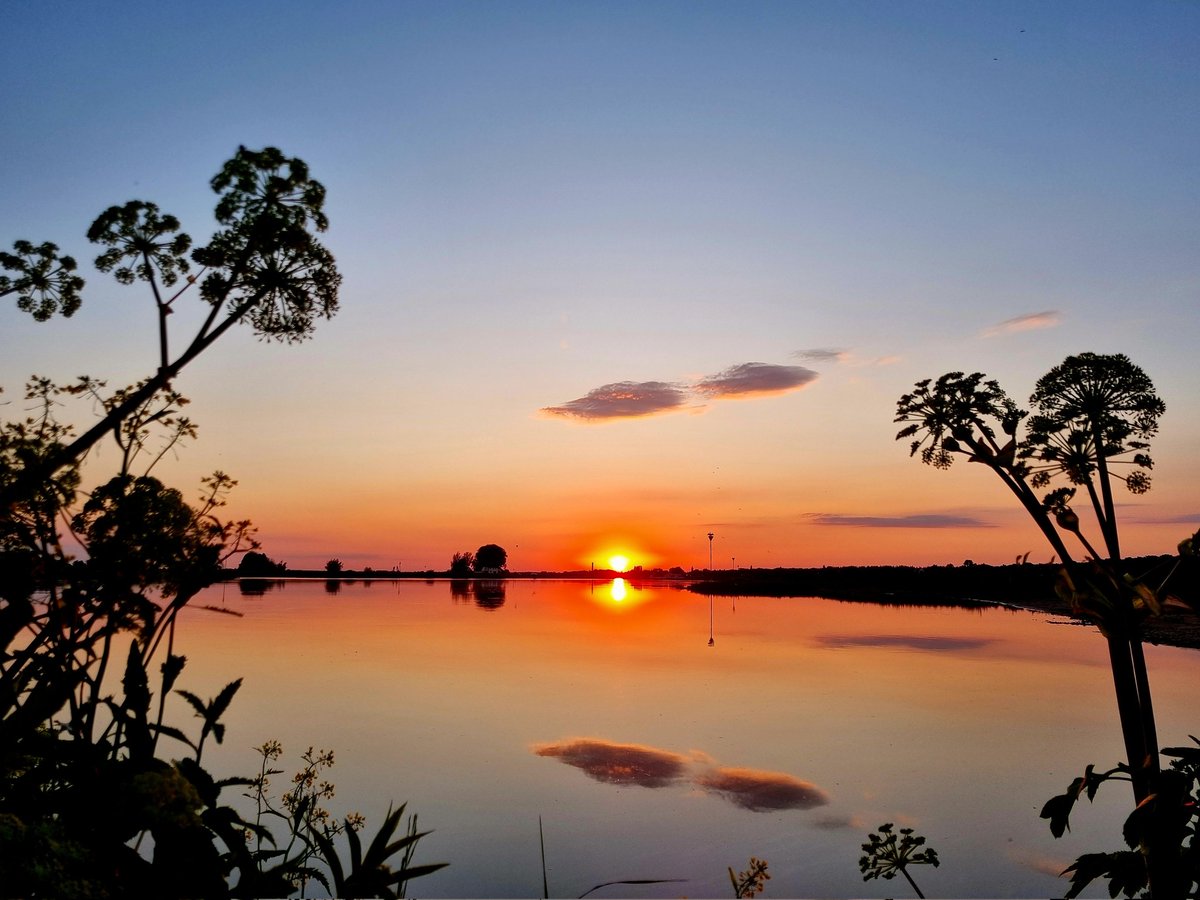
x=622, y=400
x=753, y=378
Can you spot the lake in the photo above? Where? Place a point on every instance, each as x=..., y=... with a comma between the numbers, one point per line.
x=650, y=751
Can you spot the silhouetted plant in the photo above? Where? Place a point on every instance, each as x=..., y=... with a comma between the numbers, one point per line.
x=889, y=853
x=44, y=281
x=1091, y=410
x=752, y=881
x=1171, y=814
x=264, y=266
x=86, y=645
x=368, y=873
x=333, y=567
x=307, y=851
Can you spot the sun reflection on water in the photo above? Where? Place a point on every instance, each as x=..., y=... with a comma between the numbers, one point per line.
x=618, y=589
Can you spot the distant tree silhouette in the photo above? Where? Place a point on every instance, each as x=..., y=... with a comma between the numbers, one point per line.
x=461, y=564
x=259, y=565
x=334, y=567
x=490, y=557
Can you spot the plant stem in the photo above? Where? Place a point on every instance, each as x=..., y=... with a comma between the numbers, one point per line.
x=904, y=872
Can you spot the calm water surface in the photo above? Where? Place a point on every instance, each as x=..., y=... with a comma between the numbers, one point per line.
x=650, y=752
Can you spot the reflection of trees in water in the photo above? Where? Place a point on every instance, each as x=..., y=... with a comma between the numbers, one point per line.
x=332, y=586
x=256, y=587
x=487, y=593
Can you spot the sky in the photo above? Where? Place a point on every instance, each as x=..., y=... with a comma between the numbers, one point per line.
x=618, y=275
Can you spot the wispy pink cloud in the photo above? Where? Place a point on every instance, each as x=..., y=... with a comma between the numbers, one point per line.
x=1030, y=322
x=823, y=354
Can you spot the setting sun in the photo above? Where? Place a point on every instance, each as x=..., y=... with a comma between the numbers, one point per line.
x=618, y=563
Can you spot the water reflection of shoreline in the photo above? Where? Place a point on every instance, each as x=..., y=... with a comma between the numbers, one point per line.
x=257, y=587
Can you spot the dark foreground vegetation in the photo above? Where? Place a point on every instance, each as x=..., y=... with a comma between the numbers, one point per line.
x=1086, y=434
x=105, y=792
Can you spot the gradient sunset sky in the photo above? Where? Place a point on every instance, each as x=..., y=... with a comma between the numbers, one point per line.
x=621, y=274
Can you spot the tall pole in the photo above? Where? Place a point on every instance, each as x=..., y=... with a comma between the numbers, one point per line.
x=710, y=537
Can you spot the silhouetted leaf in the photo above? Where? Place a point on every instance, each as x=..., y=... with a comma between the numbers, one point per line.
x=172, y=732
x=1188, y=755
x=137, y=704
x=223, y=699
x=1125, y=870
x=171, y=668
x=1058, y=809
x=195, y=702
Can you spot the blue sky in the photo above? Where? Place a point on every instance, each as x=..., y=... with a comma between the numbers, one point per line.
x=533, y=201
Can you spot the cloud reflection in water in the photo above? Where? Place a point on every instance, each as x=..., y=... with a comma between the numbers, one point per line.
x=752, y=789
x=760, y=791
x=618, y=763
x=903, y=641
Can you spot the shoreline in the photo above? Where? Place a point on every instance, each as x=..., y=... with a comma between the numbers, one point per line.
x=971, y=586
x=1176, y=627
